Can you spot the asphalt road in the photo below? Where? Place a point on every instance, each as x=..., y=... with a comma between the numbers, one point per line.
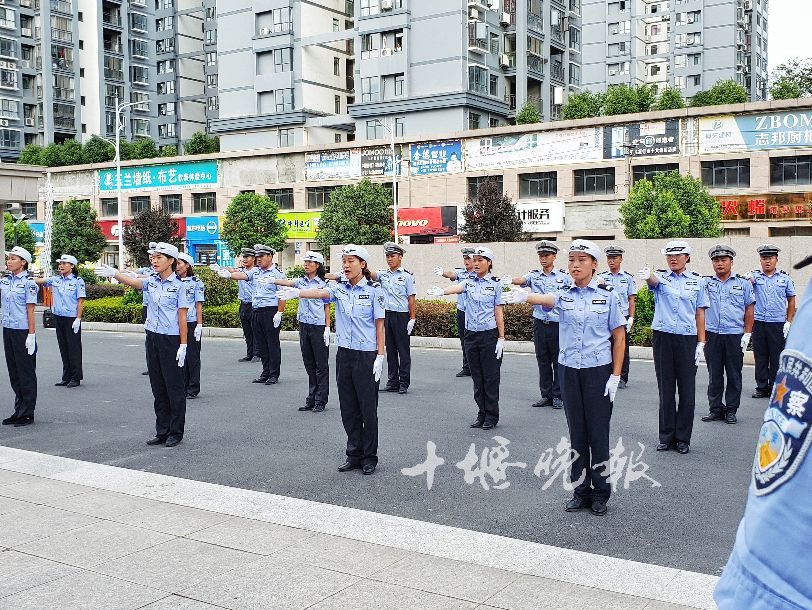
x=251, y=436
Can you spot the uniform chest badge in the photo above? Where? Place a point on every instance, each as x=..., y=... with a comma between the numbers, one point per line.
x=784, y=438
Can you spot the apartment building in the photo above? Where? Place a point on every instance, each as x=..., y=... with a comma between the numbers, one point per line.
x=687, y=44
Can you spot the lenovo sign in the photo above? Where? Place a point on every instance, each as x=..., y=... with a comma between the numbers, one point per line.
x=441, y=220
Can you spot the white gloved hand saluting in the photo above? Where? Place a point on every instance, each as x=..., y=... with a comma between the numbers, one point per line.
x=277, y=319
x=699, y=354
x=745, y=341
x=611, y=387
x=438, y=271
x=287, y=293
x=199, y=332
x=506, y=280
x=629, y=323
x=377, y=368
x=500, y=346
x=327, y=336
x=435, y=291
x=410, y=326
x=787, y=324
x=181, y=355
x=267, y=279
x=224, y=273
x=515, y=296
x=644, y=274
x=105, y=271
x=31, y=344
x=749, y=276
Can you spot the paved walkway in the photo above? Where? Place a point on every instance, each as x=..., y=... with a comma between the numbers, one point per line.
x=80, y=535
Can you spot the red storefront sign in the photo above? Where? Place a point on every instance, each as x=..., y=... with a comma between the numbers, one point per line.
x=110, y=227
x=441, y=220
x=781, y=206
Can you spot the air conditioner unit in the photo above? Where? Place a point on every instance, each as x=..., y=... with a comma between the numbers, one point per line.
x=505, y=19
x=264, y=31
x=474, y=13
x=386, y=5
x=504, y=61
x=3, y=122
x=612, y=72
x=30, y=121
x=386, y=52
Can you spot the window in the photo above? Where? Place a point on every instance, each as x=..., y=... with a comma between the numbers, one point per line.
x=282, y=60
x=211, y=13
x=113, y=68
x=286, y=137
x=399, y=80
x=211, y=36
x=370, y=89
x=477, y=79
x=283, y=100
x=493, y=88
x=494, y=43
x=655, y=70
x=597, y=181
x=281, y=19
x=166, y=109
x=140, y=48
x=695, y=80
x=211, y=80
x=140, y=127
x=575, y=39
x=370, y=43
x=318, y=196
x=166, y=87
x=8, y=79
x=473, y=120
x=204, y=203
x=370, y=7
x=653, y=49
x=138, y=204
x=139, y=74
x=211, y=57
x=171, y=204
x=646, y=172
x=337, y=104
x=9, y=138
x=790, y=171
x=166, y=67
x=8, y=18
x=138, y=22
x=336, y=66
x=282, y=197
x=728, y=173
x=476, y=182
x=575, y=74
x=214, y=102
x=63, y=87
x=163, y=24
x=8, y=48
x=538, y=185
x=399, y=125
x=109, y=207
x=375, y=130
x=336, y=25
x=679, y=61
x=9, y=109
x=493, y=122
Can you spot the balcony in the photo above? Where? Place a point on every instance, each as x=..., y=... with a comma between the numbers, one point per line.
x=534, y=22
x=477, y=37
x=575, y=6
x=62, y=6
x=29, y=4
x=65, y=122
x=61, y=63
x=63, y=93
x=510, y=98
x=111, y=19
x=535, y=63
x=114, y=74
x=113, y=46
x=557, y=33
x=58, y=35
x=557, y=71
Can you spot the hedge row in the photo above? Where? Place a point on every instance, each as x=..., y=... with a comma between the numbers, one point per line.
x=100, y=291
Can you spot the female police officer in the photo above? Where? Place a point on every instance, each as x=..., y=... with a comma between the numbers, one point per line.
x=484, y=334
x=592, y=331
x=459, y=274
x=168, y=301
x=68, y=301
x=18, y=295
x=194, y=322
x=314, y=331
x=359, y=361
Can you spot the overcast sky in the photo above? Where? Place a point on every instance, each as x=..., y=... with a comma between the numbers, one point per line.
x=788, y=35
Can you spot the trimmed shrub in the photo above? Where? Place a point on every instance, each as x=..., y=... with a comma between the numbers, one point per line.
x=88, y=276
x=222, y=316
x=101, y=291
x=132, y=296
x=643, y=316
x=111, y=309
x=219, y=291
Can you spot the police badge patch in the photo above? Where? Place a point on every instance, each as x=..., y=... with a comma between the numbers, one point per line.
x=784, y=438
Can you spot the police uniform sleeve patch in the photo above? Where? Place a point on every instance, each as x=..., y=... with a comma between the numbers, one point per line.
x=784, y=438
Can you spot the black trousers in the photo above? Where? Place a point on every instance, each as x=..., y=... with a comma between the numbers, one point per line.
x=22, y=371
x=266, y=341
x=545, y=340
x=588, y=414
x=316, y=358
x=674, y=358
x=485, y=372
x=724, y=356
x=768, y=343
x=246, y=319
x=398, y=352
x=70, y=348
x=167, y=381
x=358, y=399
x=191, y=370
x=461, y=333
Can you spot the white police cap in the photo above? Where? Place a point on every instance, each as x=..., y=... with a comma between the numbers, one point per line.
x=21, y=252
x=164, y=248
x=585, y=246
x=353, y=250
x=152, y=245
x=186, y=258
x=484, y=252
x=676, y=247
x=67, y=258
x=721, y=250
x=316, y=257
x=546, y=247
x=391, y=247
x=613, y=250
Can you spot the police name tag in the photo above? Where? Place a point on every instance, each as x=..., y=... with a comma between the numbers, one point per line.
x=489, y=288
x=599, y=301
x=784, y=437
x=363, y=296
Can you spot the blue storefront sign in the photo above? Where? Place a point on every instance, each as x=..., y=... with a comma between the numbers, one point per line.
x=38, y=228
x=437, y=158
x=202, y=229
x=755, y=131
x=156, y=177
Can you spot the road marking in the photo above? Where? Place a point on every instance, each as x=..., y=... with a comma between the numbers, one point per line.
x=669, y=585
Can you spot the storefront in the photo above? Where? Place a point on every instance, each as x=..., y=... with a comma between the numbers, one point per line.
x=302, y=230
x=202, y=238
x=785, y=214
x=423, y=225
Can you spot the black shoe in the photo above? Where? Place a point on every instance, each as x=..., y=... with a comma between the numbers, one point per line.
x=683, y=448
x=478, y=423
x=191, y=396
x=730, y=417
x=761, y=394
x=368, y=468
x=577, y=504
x=598, y=507
x=10, y=420
x=306, y=408
x=245, y=359
x=72, y=384
x=543, y=402
x=622, y=385
x=272, y=381
x=61, y=384
x=463, y=373
x=156, y=441
x=403, y=390
x=260, y=380
x=256, y=359
x=318, y=409
x=145, y=373
x=713, y=416
x=489, y=425
x=24, y=421
x=391, y=388
x=173, y=441
x=348, y=465
x=663, y=447
x=558, y=403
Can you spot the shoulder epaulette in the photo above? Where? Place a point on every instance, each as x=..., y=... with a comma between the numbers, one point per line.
x=535, y=271
x=409, y=272
x=561, y=271
x=695, y=273
x=782, y=272
x=627, y=273
x=606, y=287
x=375, y=284
x=660, y=270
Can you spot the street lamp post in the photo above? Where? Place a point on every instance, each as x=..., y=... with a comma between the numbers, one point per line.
x=395, y=168
x=120, y=125
x=18, y=218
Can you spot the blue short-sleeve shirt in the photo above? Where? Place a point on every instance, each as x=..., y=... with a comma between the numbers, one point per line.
x=163, y=299
x=264, y=292
x=195, y=293
x=16, y=293
x=311, y=311
x=546, y=283
x=772, y=293
x=677, y=296
x=624, y=285
x=727, y=302
x=398, y=286
x=483, y=295
x=462, y=274
x=357, y=309
x=245, y=289
x=66, y=294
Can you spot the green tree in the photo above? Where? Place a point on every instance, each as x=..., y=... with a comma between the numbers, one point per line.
x=491, y=216
x=620, y=99
x=723, y=92
x=785, y=88
x=169, y=150
x=253, y=219
x=76, y=232
x=149, y=225
x=670, y=205
x=126, y=150
x=25, y=236
x=32, y=155
x=582, y=105
x=52, y=155
x=98, y=150
x=646, y=98
x=71, y=153
x=670, y=99
x=529, y=113
x=143, y=148
x=201, y=144
x=797, y=71
x=356, y=213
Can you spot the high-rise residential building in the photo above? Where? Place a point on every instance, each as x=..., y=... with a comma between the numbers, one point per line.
x=686, y=44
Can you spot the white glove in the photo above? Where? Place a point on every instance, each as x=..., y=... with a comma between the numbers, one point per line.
x=105, y=271
x=267, y=279
x=377, y=368
x=214, y=267
x=77, y=324
x=438, y=271
x=277, y=319
x=327, y=336
x=31, y=344
x=611, y=387
x=410, y=326
x=287, y=293
x=786, y=328
x=435, y=291
x=224, y=273
x=644, y=274
x=198, y=332
x=506, y=280
x=629, y=323
x=500, y=345
x=745, y=341
x=699, y=355
x=515, y=295
x=749, y=276
x=181, y=355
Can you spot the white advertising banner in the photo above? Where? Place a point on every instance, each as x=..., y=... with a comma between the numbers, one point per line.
x=541, y=216
x=542, y=148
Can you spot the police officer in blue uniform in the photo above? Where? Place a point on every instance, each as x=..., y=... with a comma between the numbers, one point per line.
x=145, y=272
x=728, y=326
x=267, y=310
x=313, y=316
x=458, y=275
x=246, y=294
x=167, y=307
x=359, y=361
x=546, y=280
x=775, y=308
x=770, y=564
x=18, y=297
x=678, y=341
x=485, y=334
x=69, y=294
x=196, y=295
x=626, y=290
x=593, y=330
